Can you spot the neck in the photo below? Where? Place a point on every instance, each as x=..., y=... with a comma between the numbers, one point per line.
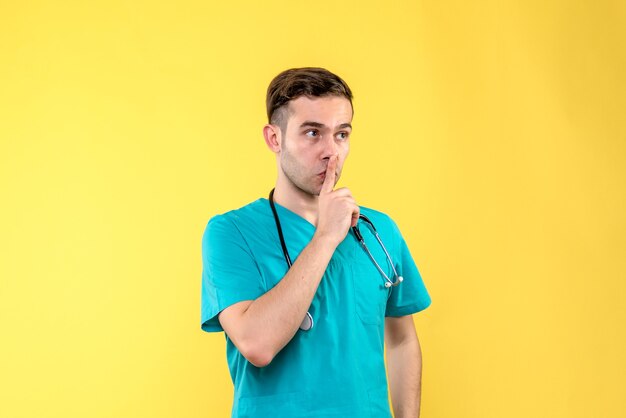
x=296, y=200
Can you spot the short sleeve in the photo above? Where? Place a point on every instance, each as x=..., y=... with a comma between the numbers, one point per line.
x=229, y=271
x=411, y=295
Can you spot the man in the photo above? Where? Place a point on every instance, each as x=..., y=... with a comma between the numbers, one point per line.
x=306, y=311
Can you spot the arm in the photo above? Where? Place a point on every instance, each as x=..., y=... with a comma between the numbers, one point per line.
x=404, y=366
x=261, y=328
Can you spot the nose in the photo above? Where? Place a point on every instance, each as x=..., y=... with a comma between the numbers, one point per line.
x=329, y=147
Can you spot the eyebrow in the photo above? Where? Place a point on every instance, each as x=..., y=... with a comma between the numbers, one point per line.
x=345, y=125
x=313, y=124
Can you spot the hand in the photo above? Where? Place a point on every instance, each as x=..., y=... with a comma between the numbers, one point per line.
x=338, y=210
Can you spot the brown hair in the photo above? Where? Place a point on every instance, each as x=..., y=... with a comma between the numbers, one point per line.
x=296, y=82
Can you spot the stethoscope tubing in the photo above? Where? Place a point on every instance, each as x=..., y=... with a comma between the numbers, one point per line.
x=280, y=230
x=307, y=323
x=388, y=282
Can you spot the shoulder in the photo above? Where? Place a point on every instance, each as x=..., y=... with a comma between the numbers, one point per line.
x=379, y=219
x=245, y=213
x=369, y=212
x=236, y=219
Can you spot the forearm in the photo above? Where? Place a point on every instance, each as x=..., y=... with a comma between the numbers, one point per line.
x=404, y=368
x=271, y=321
x=262, y=327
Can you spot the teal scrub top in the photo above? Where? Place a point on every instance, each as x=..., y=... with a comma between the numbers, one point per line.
x=336, y=369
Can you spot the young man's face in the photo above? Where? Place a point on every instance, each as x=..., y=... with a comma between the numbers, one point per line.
x=317, y=128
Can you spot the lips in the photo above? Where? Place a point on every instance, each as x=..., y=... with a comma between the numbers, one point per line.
x=322, y=174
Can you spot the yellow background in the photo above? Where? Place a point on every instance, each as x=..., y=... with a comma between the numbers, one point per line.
x=493, y=132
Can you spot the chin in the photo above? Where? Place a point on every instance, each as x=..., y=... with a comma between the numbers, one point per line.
x=312, y=191
x=311, y=188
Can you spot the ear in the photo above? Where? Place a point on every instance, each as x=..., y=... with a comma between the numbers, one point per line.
x=272, y=135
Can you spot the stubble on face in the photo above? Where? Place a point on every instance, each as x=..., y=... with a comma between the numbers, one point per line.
x=304, y=163
x=307, y=182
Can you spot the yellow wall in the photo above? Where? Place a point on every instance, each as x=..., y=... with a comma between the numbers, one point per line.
x=493, y=132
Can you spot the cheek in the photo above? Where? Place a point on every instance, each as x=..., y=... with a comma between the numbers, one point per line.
x=344, y=154
x=342, y=161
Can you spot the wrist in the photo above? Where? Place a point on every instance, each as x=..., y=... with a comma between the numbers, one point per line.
x=325, y=240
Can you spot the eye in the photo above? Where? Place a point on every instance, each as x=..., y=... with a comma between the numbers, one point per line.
x=342, y=136
x=312, y=133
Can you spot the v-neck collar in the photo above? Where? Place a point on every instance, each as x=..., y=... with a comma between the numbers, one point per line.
x=289, y=213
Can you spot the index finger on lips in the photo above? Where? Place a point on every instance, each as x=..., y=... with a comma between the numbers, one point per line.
x=329, y=179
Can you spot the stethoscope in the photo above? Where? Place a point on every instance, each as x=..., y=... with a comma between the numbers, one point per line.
x=307, y=323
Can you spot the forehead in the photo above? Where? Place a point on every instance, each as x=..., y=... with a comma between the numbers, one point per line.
x=329, y=110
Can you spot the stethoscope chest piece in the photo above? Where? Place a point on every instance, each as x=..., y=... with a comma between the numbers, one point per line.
x=307, y=322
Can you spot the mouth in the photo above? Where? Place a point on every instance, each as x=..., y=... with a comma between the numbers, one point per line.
x=322, y=175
